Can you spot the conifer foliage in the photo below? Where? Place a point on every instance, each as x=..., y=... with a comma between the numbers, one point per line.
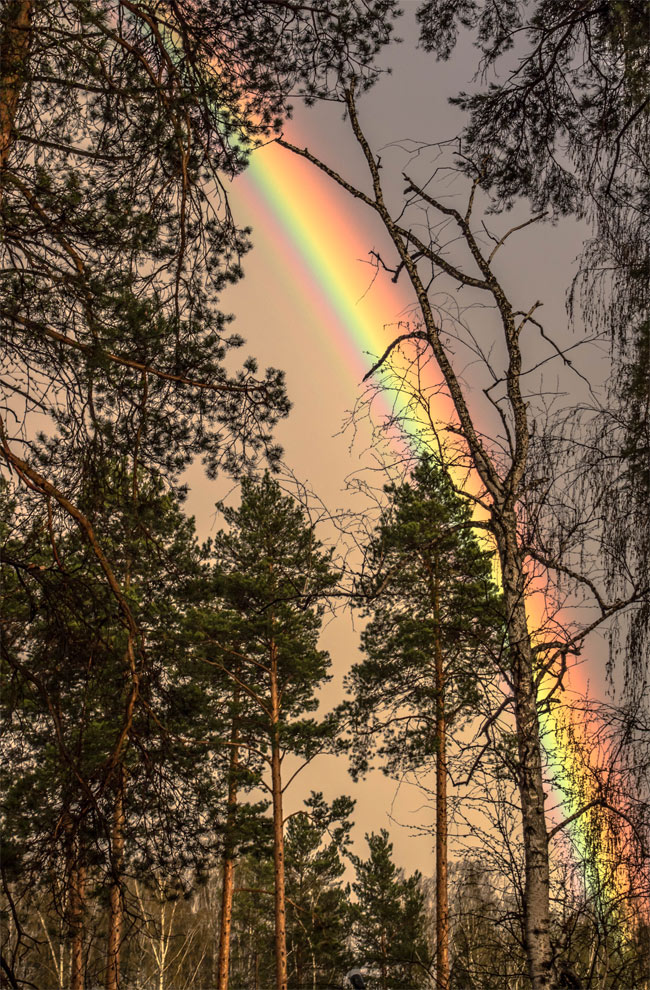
x=430, y=587
x=120, y=123
x=272, y=575
x=98, y=786
x=389, y=919
x=433, y=637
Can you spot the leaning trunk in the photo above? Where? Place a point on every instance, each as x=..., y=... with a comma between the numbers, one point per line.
x=530, y=776
x=442, y=903
x=116, y=904
x=228, y=870
x=278, y=830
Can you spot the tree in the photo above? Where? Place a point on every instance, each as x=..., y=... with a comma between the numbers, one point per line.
x=272, y=575
x=120, y=122
x=492, y=464
x=83, y=813
x=434, y=623
x=318, y=910
x=389, y=918
x=565, y=124
x=486, y=951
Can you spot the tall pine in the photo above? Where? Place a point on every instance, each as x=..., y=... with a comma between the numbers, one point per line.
x=389, y=919
x=433, y=621
x=272, y=574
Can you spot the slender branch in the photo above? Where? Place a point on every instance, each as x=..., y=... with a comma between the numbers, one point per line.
x=137, y=365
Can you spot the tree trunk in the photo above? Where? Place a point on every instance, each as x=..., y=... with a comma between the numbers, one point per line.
x=442, y=903
x=78, y=897
x=116, y=903
x=298, y=965
x=75, y=899
x=530, y=776
x=278, y=830
x=14, y=53
x=228, y=866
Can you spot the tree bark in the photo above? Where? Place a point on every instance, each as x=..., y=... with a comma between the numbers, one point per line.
x=116, y=904
x=14, y=54
x=77, y=976
x=442, y=903
x=530, y=771
x=76, y=884
x=278, y=829
x=77, y=905
x=228, y=866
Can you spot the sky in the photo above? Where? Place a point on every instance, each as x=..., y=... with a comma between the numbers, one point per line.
x=287, y=318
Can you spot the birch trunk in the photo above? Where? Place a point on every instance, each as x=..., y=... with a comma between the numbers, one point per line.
x=504, y=493
x=530, y=771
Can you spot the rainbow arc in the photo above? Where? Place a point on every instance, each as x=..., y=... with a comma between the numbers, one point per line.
x=319, y=243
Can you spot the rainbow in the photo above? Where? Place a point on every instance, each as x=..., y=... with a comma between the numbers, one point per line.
x=320, y=240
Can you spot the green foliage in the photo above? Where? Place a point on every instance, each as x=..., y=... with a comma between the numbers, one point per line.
x=318, y=910
x=118, y=238
x=68, y=678
x=270, y=578
x=389, y=920
x=424, y=541
x=566, y=124
x=317, y=902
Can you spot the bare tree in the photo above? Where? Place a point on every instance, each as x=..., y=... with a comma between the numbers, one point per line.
x=496, y=466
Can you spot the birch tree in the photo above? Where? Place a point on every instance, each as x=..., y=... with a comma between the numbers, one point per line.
x=417, y=230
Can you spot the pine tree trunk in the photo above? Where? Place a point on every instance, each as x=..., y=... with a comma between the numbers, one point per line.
x=14, y=53
x=228, y=866
x=442, y=903
x=78, y=897
x=530, y=776
x=75, y=898
x=278, y=830
x=116, y=906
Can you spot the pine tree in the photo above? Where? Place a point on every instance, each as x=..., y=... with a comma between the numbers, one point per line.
x=434, y=620
x=98, y=788
x=272, y=575
x=389, y=919
x=318, y=910
x=121, y=123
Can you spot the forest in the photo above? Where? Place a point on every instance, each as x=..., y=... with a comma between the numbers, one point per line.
x=222, y=633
